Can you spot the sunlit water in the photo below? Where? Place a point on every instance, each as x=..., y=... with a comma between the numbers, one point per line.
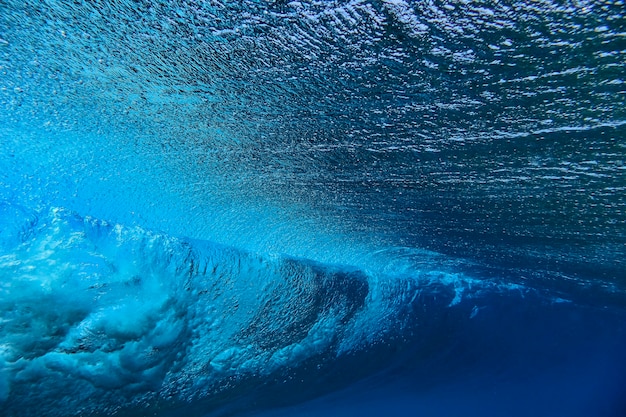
x=312, y=208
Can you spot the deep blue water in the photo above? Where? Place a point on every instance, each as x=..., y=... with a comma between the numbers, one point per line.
x=312, y=208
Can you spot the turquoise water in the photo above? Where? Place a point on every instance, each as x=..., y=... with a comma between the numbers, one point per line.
x=312, y=208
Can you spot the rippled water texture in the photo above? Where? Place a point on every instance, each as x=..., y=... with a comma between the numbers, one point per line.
x=393, y=188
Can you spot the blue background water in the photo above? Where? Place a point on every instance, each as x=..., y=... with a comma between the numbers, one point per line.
x=307, y=208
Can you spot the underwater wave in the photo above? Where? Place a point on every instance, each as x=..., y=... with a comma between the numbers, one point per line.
x=103, y=319
x=98, y=318
x=384, y=207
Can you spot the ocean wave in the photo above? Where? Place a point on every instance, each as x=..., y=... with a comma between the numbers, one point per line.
x=99, y=318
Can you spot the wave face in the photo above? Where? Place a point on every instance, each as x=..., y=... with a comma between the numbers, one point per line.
x=383, y=207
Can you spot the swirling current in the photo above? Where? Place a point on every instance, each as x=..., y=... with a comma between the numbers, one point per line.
x=337, y=208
